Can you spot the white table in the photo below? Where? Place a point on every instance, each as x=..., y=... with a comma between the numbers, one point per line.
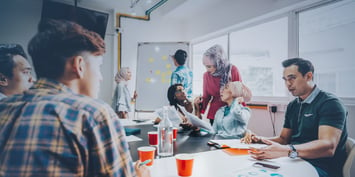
x=220, y=164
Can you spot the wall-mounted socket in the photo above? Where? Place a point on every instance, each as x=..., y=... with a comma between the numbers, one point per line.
x=273, y=108
x=277, y=108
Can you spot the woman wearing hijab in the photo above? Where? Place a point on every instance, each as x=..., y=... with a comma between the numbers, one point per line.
x=219, y=73
x=122, y=100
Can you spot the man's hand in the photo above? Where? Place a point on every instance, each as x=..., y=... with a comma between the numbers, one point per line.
x=142, y=171
x=273, y=150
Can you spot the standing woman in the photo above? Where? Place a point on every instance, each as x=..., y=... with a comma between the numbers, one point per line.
x=122, y=99
x=219, y=72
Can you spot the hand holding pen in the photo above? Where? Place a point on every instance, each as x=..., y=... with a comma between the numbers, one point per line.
x=145, y=162
x=141, y=169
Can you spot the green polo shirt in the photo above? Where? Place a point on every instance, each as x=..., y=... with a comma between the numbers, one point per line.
x=305, y=117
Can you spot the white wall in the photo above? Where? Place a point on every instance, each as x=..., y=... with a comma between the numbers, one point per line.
x=18, y=24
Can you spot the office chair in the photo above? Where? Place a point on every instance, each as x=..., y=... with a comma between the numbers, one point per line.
x=350, y=151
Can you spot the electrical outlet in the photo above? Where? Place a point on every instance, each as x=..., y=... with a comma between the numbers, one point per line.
x=273, y=108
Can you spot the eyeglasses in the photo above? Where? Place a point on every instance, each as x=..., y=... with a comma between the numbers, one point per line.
x=290, y=78
x=226, y=86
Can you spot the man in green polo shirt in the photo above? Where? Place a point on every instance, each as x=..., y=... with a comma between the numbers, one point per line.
x=314, y=127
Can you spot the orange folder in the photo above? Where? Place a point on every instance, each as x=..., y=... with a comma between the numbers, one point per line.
x=234, y=151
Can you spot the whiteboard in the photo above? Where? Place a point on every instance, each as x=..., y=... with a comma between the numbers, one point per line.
x=154, y=68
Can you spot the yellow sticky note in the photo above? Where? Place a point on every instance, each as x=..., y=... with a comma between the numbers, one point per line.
x=157, y=72
x=168, y=66
x=151, y=60
x=164, y=57
x=148, y=80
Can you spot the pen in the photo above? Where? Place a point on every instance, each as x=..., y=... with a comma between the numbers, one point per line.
x=145, y=162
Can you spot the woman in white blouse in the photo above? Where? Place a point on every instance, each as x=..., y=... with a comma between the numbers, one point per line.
x=122, y=99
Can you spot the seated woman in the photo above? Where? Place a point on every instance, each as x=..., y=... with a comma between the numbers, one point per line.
x=231, y=120
x=180, y=110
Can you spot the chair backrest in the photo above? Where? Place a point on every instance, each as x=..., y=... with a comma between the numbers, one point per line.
x=350, y=151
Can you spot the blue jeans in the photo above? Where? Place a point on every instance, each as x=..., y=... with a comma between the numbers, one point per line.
x=321, y=172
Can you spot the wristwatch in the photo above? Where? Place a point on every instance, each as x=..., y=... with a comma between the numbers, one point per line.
x=293, y=152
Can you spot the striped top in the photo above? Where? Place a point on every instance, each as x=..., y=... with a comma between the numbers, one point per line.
x=51, y=131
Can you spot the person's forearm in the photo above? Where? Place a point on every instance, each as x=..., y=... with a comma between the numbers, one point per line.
x=197, y=111
x=315, y=149
x=188, y=106
x=278, y=139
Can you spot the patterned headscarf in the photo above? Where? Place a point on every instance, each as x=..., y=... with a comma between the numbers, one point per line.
x=218, y=58
x=122, y=74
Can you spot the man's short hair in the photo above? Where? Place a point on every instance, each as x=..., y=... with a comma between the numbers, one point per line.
x=7, y=53
x=180, y=56
x=59, y=40
x=304, y=66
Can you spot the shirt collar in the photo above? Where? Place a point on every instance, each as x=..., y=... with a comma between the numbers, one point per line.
x=310, y=97
x=180, y=67
x=51, y=85
x=2, y=96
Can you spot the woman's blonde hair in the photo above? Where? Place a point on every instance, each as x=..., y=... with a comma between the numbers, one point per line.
x=240, y=90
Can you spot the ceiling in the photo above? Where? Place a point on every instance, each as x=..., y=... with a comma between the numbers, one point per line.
x=179, y=9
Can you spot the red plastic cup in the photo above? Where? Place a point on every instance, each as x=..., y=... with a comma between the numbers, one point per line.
x=175, y=130
x=146, y=153
x=184, y=164
x=153, y=138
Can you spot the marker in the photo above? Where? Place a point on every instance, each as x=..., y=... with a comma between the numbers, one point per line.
x=145, y=162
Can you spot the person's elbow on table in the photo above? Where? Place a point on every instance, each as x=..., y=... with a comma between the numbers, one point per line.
x=157, y=120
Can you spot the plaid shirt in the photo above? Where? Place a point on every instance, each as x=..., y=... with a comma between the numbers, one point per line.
x=51, y=131
x=183, y=75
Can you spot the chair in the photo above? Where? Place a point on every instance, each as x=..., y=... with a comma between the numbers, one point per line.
x=350, y=151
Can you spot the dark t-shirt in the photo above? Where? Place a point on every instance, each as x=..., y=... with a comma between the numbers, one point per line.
x=304, y=118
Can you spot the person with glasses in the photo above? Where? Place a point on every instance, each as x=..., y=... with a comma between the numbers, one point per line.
x=180, y=111
x=219, y=73
x=15, y=71
x=58, y=127
x=315, y=124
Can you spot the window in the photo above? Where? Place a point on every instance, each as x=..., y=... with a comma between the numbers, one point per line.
x=326, y=37
x=257, y=51
x=198, y=68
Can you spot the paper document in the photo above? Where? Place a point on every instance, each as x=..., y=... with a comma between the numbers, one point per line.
x=132, y=138
x=235, y=143
x=197, y=121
